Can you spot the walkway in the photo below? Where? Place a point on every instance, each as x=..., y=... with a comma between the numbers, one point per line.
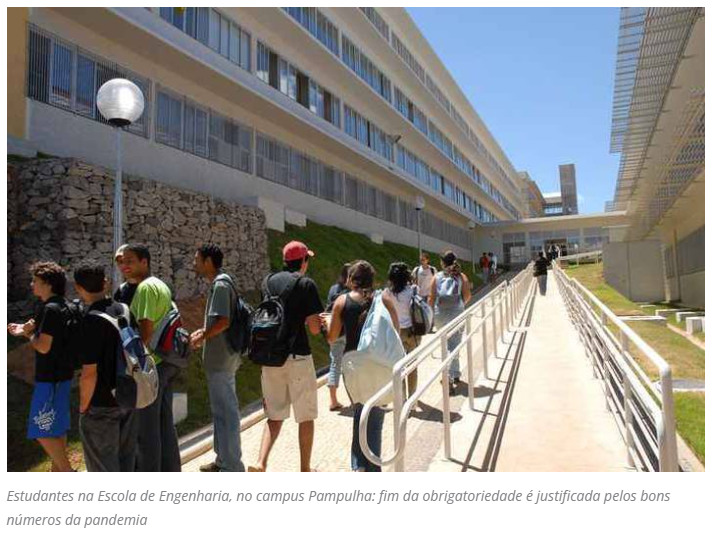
x=542, y=411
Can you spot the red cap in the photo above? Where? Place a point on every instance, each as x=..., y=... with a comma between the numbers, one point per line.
x=296, y=250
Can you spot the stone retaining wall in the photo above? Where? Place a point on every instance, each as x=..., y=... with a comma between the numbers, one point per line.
x=61, y=210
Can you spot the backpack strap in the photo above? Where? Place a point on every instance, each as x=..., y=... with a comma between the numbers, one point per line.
x=123, y=320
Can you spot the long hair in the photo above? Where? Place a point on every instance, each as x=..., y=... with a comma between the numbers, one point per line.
x=450, y=264
x=361, y=275
x=399, y=277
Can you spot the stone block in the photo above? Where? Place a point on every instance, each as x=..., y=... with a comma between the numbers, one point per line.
x=694, y=324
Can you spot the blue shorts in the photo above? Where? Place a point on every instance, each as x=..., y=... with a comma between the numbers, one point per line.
x=49, y=410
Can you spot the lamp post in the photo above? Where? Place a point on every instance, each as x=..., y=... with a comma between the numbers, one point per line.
x=121, y=103
x=471, y=225
x=419, y=206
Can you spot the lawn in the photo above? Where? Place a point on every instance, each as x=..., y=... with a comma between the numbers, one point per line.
x=685, y=358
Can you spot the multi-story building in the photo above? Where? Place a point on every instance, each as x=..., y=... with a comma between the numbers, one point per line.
x=569, y=196
x=659, y=130
x=531, y=197
x=341, y=115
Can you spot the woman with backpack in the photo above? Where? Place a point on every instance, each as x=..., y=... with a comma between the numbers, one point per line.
x=336, y=352
x=401, y=290
x=449, y=294
x=349, y=313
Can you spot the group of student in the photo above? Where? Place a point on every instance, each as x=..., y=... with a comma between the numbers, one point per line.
x=118, y=438
x=488, y=266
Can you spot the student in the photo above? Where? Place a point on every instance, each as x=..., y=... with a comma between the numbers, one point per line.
x=540, y=272
x=336, y=351
x=49, y=410
x=157, y=438
x=401, y=292
x=485, y=266
x=350, y=311
x=220, y=362
x=125, y=292
x=293, y=384
x=108, y=432
x=423, y=275
x=492, y=265
x=449, y=293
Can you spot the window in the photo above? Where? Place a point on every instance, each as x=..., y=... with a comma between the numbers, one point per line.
x=376, y=19
x=365, y=69
x=318, y=24
x=367, y=133
x=169, y=118
x=407, y=57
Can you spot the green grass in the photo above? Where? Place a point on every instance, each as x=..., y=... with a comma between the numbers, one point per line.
x=591, y=277
x=690, y=415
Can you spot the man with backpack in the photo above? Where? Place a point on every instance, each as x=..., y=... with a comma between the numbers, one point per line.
x=49, y=419
x=423, y=275
x=280, y=344
x=157, y=439
x=108, y=430
x=220, y=361
x=125, y=293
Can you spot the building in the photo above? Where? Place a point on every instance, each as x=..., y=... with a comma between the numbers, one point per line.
x=340, y=115
x=569, y=196
x=659, y=130
x=553, y=206
x=531, y=197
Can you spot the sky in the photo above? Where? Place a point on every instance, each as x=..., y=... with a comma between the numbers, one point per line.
x=542, y=81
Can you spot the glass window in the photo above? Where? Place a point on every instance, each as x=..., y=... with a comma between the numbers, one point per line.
x=234, y=54
x=214, y=30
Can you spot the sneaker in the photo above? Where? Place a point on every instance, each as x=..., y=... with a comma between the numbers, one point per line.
x=210, y=467
x=254, y=468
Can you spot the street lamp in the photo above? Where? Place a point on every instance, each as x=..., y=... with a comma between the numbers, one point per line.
x=419, y=206
x=471, y=225
x=121, y=103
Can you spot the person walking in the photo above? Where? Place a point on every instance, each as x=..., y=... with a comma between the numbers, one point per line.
x=108, y=432
x=49, y=418
x=423, y=275
x=401, y=290
x=349, y=313
x=485, y=267
x=492, y=265
x=336, y=349
x=449, y=294
x=125, y=292
x=292, y=385
x=157, y=438
x=541, y=272
x=220, y=362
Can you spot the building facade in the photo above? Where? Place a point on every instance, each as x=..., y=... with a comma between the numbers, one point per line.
x=340, y=115
x=531, y=197
x=569, y=195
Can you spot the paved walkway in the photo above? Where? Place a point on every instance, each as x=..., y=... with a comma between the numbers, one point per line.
x=543, y=410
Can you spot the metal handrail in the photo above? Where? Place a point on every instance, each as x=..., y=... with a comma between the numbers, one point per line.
x=632, y=397
x=506, y=300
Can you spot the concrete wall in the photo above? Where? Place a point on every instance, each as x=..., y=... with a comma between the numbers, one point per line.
x=635, y=270
x=693, y=290
x=16, y=68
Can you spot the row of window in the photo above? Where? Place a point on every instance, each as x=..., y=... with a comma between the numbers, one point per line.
x=367, y=133
x=278, y=162
x=377, y=20
x=212, y=29
x=359, y=62
x=316, y=23
x=409, y=110
x=286, y=78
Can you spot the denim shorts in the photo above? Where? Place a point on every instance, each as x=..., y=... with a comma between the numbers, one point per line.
x=49, y=410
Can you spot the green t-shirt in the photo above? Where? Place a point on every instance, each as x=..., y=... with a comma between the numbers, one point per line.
x=152, y=301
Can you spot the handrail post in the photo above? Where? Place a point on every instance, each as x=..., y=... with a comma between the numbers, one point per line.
x=446, y=399
x=494, y=332
x=502, y=324
x=667, y=434
x=470, y=363
x=399, y=465
x=485, y=353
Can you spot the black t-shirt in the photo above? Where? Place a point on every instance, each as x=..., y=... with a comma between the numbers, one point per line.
x=125, y=293
x=99, y=346
x=303, y=302
x=540, y=266
x=55, y=365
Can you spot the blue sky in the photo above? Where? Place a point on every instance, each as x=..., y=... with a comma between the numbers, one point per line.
x=542, y=80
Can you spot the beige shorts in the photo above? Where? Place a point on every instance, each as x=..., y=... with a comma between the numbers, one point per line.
x=293, y=384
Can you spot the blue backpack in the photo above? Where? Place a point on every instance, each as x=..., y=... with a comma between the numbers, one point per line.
x=448, y=291
x=136, y=373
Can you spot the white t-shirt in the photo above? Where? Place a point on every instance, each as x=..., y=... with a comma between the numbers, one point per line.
x=423, y=278
x=402, y=305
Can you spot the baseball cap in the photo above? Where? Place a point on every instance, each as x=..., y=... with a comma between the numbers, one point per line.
x=296, y=250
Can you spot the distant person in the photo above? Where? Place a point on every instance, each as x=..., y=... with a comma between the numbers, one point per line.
x=108, y=432
x=48, y=422
x=485, y=267
x=293, y=385
x=492, y=265
x=125, y=292
x=540, y=272
x=350, y=312
x=220, y=362
x=423, y=275
x=401, y=292
x=449, y=293
x=336, y=349
x=157, y=439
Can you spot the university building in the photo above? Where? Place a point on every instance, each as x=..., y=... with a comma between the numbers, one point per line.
x=343, y=116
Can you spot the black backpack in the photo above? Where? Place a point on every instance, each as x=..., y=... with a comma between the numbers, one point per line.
x=269, y=329
x=239, y=332
x=73, y=313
